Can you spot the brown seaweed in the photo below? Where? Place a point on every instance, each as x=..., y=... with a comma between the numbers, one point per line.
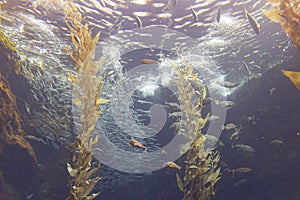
x=293, y=76
x=287, y=14
x=87, y=88
x=201, y=170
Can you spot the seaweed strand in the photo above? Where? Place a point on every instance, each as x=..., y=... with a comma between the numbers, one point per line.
x=201, y=171
x=86, y=86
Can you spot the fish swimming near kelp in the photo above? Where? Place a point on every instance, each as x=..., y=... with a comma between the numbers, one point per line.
x=227, y=84
x=235, y=135
x=195, y=16
x=233, y=172
x=171, y=165
x=229, y=126
x=244, y=148
x=254, y=24
x=137, y=144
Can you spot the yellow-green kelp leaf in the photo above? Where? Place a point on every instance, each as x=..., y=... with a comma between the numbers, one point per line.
x=273, y=14
x=101, y=101
x=293, y=76
x=72, y=77
x=71, y=171
x=200, y=140
x=77, y=102
x=179, y=183
x=94, y=141
x=202, y=121
x=92, y=196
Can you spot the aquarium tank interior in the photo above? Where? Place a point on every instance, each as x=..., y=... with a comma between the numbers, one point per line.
x=149, y=99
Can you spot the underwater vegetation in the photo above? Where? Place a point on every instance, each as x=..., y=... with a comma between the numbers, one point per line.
x=287, y=14
x=197, y=177
x=12, y=137
x=11, y=128
x=11, y=54
x=201, y=166
x=87, y=87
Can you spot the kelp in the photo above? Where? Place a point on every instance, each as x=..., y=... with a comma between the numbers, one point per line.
x=287, y=14
x=201, y=170
x=293, y=76
x=86, y=86
x=11, y=129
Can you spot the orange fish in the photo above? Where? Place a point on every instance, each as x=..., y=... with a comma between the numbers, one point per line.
x=171, y=165
x=137, y=144
x=148, y=61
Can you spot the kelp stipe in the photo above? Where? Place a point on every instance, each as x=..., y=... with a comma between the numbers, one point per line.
x=86, y=86
x=201, y=170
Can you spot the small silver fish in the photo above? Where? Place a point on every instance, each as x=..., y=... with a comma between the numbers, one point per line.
x=244, y=148
x=227, y=84
x=138, y=21
x=175, y=114
x=173, y=105
x=235, y=135
x=102, y=2
x=195, y=16
x=255, y=76
x=227, y=104
x=240, y=182
x=27, y=107
x=228, y=126
x=218, y=14
x=214, y=117
x=176, y=124
x=33, y=138
x=246, y=67
x=276, y=142
x=272, y=90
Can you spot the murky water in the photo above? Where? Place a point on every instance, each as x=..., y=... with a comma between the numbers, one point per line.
x=265, y=111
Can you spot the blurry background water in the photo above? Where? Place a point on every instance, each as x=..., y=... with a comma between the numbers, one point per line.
x=267, y=104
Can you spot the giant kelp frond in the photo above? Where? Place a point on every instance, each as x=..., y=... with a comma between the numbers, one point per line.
x=287, y=14
x=86, y=86
x=202, y=171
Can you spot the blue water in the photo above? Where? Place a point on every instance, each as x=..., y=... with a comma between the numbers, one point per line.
x=267, y=107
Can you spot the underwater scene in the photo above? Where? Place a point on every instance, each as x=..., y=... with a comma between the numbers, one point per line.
x=149, y=99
